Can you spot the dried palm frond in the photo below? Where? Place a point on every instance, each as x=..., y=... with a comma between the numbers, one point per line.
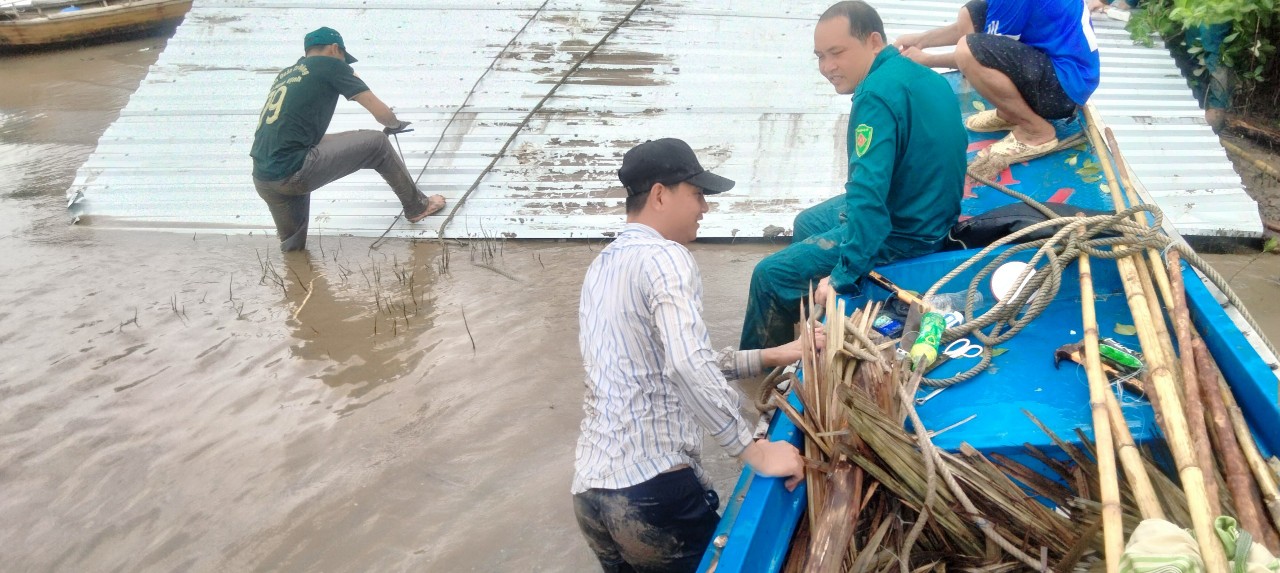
x=882, y=497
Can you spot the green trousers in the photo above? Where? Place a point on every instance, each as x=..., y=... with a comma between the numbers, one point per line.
x=781, y=281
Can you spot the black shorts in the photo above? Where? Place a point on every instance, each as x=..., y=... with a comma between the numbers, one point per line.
x=1030, y=69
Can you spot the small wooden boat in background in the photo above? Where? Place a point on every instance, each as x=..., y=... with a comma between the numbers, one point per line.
x=40, y=23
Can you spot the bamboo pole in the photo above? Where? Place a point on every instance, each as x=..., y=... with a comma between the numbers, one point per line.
x=1152, y=267
x=1239, y=478
x=1112, y=526
x=1135, y=470
x=1173, y=297
x=1176, y=431
x=1258, y=164
x=1157, y=265
x=1191, y=383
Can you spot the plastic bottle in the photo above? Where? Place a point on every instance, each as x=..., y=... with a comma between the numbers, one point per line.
x=951, y=306
x=946, y=302
x=925, y=350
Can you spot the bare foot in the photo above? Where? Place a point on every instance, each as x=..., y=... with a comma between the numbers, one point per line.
x=434, y=204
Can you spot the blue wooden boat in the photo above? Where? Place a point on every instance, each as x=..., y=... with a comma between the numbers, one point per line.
x=761, y=516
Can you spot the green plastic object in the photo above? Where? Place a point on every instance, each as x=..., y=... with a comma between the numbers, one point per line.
x=1119, y=357
x=925, y=350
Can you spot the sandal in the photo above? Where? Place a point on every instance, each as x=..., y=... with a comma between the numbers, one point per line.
x=434, y=204
x=1009, y=150
x=986, y=122
x=992, y=160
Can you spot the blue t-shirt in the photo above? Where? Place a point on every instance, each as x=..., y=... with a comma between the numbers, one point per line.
x=1059, y=28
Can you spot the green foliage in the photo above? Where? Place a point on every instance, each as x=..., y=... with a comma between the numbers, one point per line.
x=1246, y=51
x=1270, y=245
x=1151, y=19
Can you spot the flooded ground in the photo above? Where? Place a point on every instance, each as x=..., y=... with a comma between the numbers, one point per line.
x=202, y=403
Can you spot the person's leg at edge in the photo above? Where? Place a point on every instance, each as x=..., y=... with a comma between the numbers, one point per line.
x=818, y=219
x=972, y=17
x=1029, y=127
x=341, y=154
x=587, y=508
x=778, y=284
x=291, y=214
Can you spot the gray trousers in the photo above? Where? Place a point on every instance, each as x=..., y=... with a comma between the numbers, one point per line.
x=336, y=156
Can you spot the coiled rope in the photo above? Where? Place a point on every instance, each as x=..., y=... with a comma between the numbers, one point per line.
x=1075, y=236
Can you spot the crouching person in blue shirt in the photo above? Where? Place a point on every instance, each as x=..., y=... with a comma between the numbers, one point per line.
x=654, y=384
x=1034, y=60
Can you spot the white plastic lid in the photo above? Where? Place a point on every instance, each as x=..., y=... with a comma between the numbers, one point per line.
x=1002, y=281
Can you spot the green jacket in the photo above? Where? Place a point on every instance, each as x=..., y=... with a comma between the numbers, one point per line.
x=906, y=167
x=297, y=113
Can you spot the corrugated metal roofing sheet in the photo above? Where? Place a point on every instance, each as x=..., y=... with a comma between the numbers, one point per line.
x=735, y=78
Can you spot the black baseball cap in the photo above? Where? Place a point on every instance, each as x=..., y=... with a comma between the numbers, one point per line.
x=323, y=37
x=667, y=161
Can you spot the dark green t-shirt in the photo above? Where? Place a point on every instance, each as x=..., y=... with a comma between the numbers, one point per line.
x=297, y=113
x=906, y=166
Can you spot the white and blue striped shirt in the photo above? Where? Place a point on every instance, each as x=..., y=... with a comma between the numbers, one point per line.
x=652, y=379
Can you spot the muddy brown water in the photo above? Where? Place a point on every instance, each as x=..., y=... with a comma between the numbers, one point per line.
x=203, y=403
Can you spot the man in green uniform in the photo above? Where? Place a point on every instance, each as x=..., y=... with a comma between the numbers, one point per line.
x=906, y=148
x=292, y=155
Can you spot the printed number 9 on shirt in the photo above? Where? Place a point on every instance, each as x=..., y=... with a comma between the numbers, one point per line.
x=275, y=100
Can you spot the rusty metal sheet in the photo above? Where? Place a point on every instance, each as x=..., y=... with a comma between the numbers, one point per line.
x=736, y=79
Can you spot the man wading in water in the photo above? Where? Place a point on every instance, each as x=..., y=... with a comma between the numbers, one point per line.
x=292, y=155
x=642, y=499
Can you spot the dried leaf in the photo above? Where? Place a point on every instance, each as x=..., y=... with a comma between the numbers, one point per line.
x=1073, y=160
x=1125, y=329
x=998, y=351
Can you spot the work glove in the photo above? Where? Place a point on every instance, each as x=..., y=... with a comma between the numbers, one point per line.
x=402, y=127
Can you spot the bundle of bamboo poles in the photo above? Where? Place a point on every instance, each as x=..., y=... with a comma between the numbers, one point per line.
x=1194, y=406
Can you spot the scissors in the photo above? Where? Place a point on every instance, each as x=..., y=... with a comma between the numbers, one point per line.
x=963, y=348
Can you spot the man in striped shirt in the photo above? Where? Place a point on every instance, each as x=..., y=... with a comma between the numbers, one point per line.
x=654, y=384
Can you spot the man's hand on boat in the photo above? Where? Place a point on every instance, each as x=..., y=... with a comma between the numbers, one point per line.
x=775, y=459
x=823, y=291
x=793, y=351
